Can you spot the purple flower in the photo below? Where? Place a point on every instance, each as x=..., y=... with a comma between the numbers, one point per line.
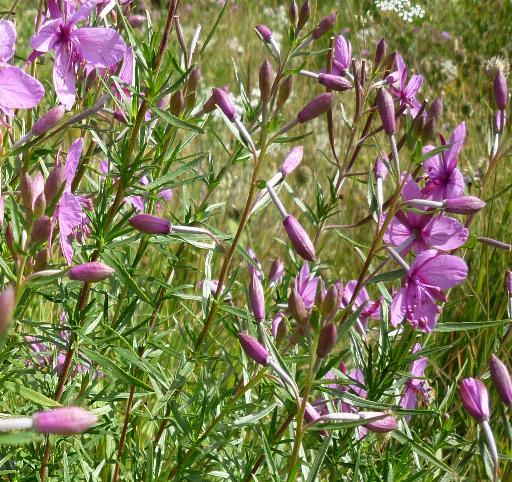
x=306, y=285
x=98, y=47
x=427, y=230
x=444, y=179
x=371, y=308
x=430, y=273
x=475, y=398
x=342, y=55
x=18, y=90
x=406, y=91
x=415, y=385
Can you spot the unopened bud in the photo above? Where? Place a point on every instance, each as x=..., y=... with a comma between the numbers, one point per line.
x=283, y=94
x=54, y=183
x=380, y=168
x=386, y=109
x=149, y=224
x=41, y=229
x=264, y=32
x=292, y=161
x=299, y=238
x=436, y=108
x=334, y=82
x=297, y=308
x=265, y=78
x=463, y=205
x=429, y=130
x=136, y=21
x=91, y=272
x=326, y=24
x=332, y=300
x=501, y=379
x=7, y=306
x=64, y=420
x=257, y=298
x=383, y=425
x=41, y=260
x=305, y=12
x=316, y=107
x=40, y=205
x=276, y=271
x=27, y=191
x=177, y=103
x=254, y=349
x=49, y=120
x=326, y=340
x=380, y=51
x=500, y=90
x=293, y=13
x=224, y=103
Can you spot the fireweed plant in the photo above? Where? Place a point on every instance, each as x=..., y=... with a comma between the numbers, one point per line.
x=144, y=340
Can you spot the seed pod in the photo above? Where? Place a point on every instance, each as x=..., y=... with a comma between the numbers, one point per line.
x=327, y=340
x=149, y=224
x=266, y=76
x=41, y=229
x=386, y=109
x=91, y=272
x=283, y=94
x=49, y=120
x=299, y=238
x=297, y=308
x=254, y=349
x=316, y=107
x=64, y=420
x=27, y=191
x=326, y=24
x=501, y=379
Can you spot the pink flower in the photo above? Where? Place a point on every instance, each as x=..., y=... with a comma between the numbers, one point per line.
x=406, y=91
x=98, y=47
x=18, y=90
x=371, y=308
x=415, y=385
x=306, y=285
x=430, y=273
x=444, y=179
x=428, y=231
x=342, y=55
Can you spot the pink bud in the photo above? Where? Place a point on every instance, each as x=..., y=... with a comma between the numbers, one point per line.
x=499, y=121
x=27, y=191
x=2, y=211
x=500, y=90
x=64, y=420
x=48, y=120
x=147, y=223
x=501, y=379
x=41, y=229
x=380, y=51
x=224, y=103
x=380, y=168
x=254, y=349
x=326, y=24
x=266, y=76
x=90, y=272
x=7, y=306
x=276, y=271
x=54, y=183
x=136, y=20
x=320, y=104
x=326, y=340
x=387, y=111
x=334, y=82
x=299, y=238
x=475, y=398
x=264, y=32
x=463, y=205
x=383, y=425
x=257, y=298
x=305, y=12
x=292, y=161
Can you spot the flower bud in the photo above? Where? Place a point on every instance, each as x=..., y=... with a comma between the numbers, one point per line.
x=334, y=82
x=283, y=94
x=41, y=260
x=177, y=103
x=90, y=272
x=276, y=321
x=327, y=340
x=254, y=349
x=499, y=121
x=315, y=108
x=7, y=306
x=265, y=80
x=292, y=161
x=224, y=103
x=149, y=224
x=192, y=81
x=41, y=229
x=418, y=125
x=305, y=12
x=54, y=183
x=380, y=168
x=64, y=420
x=386, y=109
x=429, y=130
x=136, y=21
x=276, y=271
x=332, y=300
x=257, y=298
x=27, y=191
x=508, y=282
x=40, y=205
x=326, y=24
x=49, y=120
x=494, y=243
x=9, y=239
x=500, y=90
x=501, y=379
x=297, y=308
x=299, y=238
x=475, y=398
x=436, y=109
x=264, y=32
x=380, y=51
x=293, y=13
x=2, y=211
x=463, y=205
x=383, y=425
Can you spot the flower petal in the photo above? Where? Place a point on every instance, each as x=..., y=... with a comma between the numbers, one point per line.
x=101, y=47
x=444, y=233
x=18, y=90
x=7, y=40
x=45, y=39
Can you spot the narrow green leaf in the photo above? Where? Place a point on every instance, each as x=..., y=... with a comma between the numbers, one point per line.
x=468, y=325
x=30, y=394
x=176, y=121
